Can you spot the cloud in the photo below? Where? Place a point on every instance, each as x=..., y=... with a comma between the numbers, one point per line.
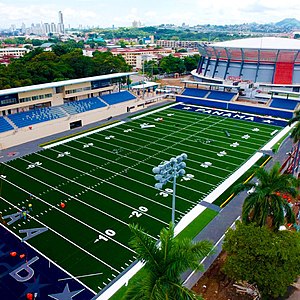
x=257, y=7
x=155, y=12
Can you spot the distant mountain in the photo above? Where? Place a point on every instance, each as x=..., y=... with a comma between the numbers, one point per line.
x=289, y=22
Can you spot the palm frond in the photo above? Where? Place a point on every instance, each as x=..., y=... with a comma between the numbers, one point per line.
x=145, y=247
x=295, y=118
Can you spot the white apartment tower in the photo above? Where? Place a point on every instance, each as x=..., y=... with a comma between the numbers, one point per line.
x=60, y=25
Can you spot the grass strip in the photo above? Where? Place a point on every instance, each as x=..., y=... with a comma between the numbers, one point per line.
x=198, y=224
x=225, y=198
x=77, y=133
x=280, y=142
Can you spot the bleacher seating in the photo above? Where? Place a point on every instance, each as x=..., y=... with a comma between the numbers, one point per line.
x=115, y=98
x=284, y=103
x=195, y=92
x=218, y=95
x=80, y=106
x=35, y=116
x=4, y=125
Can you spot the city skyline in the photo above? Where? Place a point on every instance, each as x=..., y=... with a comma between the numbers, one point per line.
x=121, y=13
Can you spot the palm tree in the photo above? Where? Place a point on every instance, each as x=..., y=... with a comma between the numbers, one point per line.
x=265, y=205
x=164, y=262
x=296, y=138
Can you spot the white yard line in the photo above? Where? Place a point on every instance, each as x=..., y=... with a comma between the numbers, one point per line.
x=66, y=239
x=47, y=258
x=81, y=276
x=70, y=216
x=82, y=135
x=148, y=146
x=189, y=168
x=105, y=181
x=253, y=134
x=191, y=117
x=189, y=145
x=115, y=173
x=132, y=168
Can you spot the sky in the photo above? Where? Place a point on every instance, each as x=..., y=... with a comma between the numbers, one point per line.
x=119, y=13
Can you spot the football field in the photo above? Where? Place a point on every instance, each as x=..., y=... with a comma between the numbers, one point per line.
x=106, y=182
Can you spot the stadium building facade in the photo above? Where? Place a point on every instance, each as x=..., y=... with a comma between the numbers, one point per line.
x=264, y=60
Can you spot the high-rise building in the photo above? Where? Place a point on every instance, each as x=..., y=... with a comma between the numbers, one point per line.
x=60, y=25
x=60, y=18
x=53, y=27
x=47, y=28
x=23, y=28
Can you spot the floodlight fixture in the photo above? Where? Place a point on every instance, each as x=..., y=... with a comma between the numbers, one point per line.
x=168, y=171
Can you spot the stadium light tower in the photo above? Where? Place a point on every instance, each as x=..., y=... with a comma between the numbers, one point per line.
x=169, y=171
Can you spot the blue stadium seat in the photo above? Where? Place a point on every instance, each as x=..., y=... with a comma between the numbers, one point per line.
x=214, y=104
x=4, y=125
x=115, y=98
x=35, y=116
x=261, y=110
x=80, y=106
x=284, y=103
x=195, y=92
x=218, y=95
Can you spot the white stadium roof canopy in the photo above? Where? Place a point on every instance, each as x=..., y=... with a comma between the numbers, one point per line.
x=260, y=43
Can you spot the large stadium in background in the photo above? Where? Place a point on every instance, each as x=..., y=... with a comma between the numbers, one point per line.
x=264, y=60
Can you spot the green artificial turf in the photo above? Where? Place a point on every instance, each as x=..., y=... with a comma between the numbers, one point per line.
x=198, y=224
x=106, y=181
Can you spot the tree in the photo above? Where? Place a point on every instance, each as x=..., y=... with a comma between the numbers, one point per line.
x=191, y=62
x=262, y=257
x=171, y=64
x=265, y=205
x=151, y=68
x=296, y=138
x=164, y=263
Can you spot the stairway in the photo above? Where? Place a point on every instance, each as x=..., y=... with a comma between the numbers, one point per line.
x=10, y=122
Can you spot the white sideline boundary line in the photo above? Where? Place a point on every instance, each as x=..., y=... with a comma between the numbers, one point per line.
x=120, y=282
x=277, y=137
x=193, y=214
x=196, y=211
x=189, y=217
x=83, y=135
x=47, y=258
x=155, y=111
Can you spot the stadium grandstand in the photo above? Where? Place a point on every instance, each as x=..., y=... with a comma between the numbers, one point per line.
x=33, y=112
x=220, y=96
x=264, y=60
